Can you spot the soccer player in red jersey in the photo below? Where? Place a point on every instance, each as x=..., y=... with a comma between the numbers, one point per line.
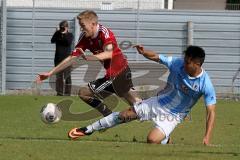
x=103, y=45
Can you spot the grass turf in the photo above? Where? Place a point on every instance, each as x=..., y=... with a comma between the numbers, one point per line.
x=24, y=136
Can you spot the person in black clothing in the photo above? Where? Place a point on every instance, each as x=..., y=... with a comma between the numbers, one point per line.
x=63, y=40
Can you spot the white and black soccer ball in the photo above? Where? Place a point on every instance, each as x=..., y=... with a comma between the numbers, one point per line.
x=50, y=113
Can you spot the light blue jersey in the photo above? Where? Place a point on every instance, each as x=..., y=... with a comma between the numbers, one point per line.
x=183, y=91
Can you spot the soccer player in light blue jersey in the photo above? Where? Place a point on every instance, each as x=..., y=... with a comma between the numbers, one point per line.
x=186, y=83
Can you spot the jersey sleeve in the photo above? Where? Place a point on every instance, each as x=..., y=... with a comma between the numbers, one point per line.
x=168, y=61
x=209, y=93
x=107, y=36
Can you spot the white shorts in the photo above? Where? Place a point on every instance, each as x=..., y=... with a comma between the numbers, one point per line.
x=150, y=109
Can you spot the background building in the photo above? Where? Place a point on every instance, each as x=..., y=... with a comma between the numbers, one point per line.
x=207, y=4
x=131, y=4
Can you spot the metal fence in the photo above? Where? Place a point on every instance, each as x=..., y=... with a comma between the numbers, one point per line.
x=29, y=31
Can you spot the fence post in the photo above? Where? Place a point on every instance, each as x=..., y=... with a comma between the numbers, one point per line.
x=189, y=33
x=33, y=42
x=189, y=42
x=76, y=31
x=3, y=45
x=137, y=28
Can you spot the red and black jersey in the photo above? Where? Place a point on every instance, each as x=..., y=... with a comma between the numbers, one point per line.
x=96, y=45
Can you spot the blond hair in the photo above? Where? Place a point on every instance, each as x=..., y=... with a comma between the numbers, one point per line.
x=88, y=15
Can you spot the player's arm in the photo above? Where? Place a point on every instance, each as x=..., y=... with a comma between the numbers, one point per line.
x=64, y=64
x=210, y=119
x=106, y=54
x=147, y=53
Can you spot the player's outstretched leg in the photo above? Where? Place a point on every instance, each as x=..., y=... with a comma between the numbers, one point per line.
x=106, y=122
x=109, y=121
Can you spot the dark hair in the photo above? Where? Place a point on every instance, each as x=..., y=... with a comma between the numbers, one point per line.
x=195, y=52
x=63, y=24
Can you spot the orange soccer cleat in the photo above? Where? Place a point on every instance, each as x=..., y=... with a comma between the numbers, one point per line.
x=77, y=132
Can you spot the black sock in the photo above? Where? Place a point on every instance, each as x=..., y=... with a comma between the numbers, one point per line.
x=98, y=105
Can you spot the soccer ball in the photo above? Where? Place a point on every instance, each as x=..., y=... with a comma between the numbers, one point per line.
x=50, y=113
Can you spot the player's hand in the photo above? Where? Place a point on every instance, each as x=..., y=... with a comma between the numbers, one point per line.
x=82, y=53
x=139, y=48
x=80, y=50
x=84, y=57
x=206, y=141
x=42, y=77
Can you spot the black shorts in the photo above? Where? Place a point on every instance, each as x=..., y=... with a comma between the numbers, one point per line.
x=119, y=85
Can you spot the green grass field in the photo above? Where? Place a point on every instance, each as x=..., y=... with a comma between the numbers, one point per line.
x=24, y=136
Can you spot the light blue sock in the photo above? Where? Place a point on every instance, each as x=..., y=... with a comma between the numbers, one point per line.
x=106, y=122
